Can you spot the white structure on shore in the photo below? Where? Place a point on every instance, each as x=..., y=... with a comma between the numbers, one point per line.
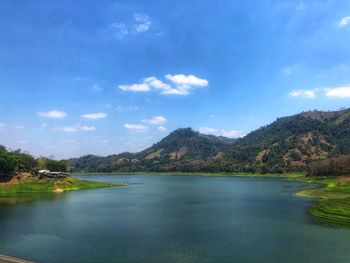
x=49, y=174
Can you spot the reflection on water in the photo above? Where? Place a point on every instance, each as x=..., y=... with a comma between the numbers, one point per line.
x=28, y=198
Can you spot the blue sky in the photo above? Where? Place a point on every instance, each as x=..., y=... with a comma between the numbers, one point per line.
x=103, y=77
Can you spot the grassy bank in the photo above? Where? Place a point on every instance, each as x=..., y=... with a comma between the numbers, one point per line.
x=333, y=203
x=35, y=185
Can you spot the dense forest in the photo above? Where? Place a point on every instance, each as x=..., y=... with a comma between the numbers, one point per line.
x=13, y=162
x=289, y=144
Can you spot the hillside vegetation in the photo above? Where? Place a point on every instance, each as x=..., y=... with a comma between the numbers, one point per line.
x=289, y=144
x=292, y=143
x=172, y=153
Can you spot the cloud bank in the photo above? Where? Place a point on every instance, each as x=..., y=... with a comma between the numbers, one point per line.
x=95, y=116
x=225, y=133
x=56, y=114
x=179, y=84
x=342, y=92
x=303, y=93
x=75, y=128
x=139, y=24
x=136, y=127
x=338, y=92
x=344, y=21
x=156, y=120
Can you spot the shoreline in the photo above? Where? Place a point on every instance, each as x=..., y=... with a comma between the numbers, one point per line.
x=332, y=201
x=331, y=204
x=332, y=197
x=52, y=185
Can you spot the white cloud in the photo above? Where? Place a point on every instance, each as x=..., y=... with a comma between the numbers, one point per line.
x=166, y=88
x=338, y=92
x=139, y=24
x=233, y=134
x=2, y=126
x=95, y=116
x=304, y=93
x=207, y=130
x=136, y=127
x=156, y=120
x=75, y=128
x=143, y=23
x=225, y=133
x=189, y=80
x=342, y=92
x=135, y=87
x=161, y=128
x=87, y=128
x=344, y=21
x=53, y=114
x=156, y=83
x=176, y=91
x=179, y=84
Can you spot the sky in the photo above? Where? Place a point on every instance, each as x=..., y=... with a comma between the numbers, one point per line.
x=103, y=77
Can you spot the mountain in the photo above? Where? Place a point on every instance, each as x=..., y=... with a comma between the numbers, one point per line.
x=185, y=144
x=288, y=144
x=291, y=143
x=180, y=146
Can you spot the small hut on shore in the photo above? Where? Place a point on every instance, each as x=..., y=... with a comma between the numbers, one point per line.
x=49, y=174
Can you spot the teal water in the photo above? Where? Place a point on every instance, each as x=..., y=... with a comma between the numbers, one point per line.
x=170, y=219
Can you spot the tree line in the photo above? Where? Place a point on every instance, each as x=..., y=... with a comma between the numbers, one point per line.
x=17, y=161
x=330, y=167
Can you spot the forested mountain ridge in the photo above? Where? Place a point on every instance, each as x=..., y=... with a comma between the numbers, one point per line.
x=288, y=144
x=291, y=143
x=186, y=143
x=181, y=145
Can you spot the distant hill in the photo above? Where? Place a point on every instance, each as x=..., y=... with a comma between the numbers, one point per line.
x=181, y=145
x=288, y=144
x=291, y=143
x=185, y=144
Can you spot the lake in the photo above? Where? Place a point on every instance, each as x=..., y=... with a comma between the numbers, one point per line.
x=171, y=219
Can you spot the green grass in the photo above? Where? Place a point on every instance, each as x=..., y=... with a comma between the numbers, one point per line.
x=335, y=212
x=35, y=185
x=333, y=204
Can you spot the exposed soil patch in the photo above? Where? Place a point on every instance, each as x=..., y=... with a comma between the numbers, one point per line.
x=15, y=179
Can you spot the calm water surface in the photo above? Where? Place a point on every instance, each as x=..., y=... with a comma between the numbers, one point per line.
x=170, y=219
